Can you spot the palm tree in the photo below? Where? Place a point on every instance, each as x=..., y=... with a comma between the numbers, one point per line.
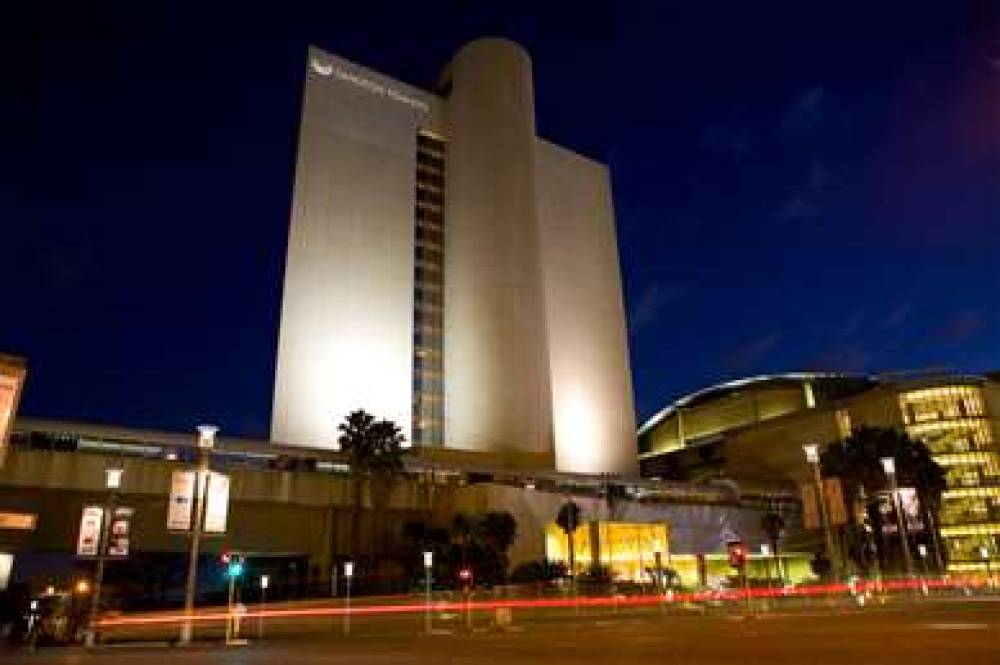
x=858, y=462
x=568, y=520
x=497, y=531
x=374, y=451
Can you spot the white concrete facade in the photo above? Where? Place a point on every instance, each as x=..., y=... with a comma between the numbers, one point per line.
x=534, y=347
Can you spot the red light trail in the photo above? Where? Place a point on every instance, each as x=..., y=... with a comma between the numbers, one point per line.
x=861, y=587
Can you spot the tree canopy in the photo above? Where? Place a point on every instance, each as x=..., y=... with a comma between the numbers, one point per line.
x=858, y=460
x=371, y=445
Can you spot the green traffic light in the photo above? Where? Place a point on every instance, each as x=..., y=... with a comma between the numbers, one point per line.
x=235, y=569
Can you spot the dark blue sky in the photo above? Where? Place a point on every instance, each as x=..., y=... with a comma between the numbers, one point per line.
x=797, y=186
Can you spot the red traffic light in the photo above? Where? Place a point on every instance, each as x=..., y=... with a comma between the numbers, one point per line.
x=737, y=554
x=226, y=557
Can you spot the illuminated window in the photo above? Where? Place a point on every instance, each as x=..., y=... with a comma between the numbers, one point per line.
x=843, y=423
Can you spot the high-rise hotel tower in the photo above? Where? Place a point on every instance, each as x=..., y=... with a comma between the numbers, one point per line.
x=451, y=271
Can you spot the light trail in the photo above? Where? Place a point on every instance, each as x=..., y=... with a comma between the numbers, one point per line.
x=861, y=587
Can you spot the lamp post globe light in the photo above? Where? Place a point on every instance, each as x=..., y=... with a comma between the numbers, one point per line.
x=428, y=566
x=889, y=467
x=206, y=441
x=811, y=451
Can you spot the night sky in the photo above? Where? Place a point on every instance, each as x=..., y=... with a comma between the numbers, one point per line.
x=796, y=187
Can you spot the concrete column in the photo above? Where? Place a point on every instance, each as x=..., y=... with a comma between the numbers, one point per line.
x=497, y=393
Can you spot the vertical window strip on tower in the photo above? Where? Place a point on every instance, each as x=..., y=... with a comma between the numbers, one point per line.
x=428, y=296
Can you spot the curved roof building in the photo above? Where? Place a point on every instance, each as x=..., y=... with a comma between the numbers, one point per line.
x=754, y=428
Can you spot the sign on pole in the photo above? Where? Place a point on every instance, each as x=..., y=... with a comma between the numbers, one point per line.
x=90, y=531
x=181, y=501
x=834, y=492
x=118, y=532
x=181, y=510
x=217, y=503
x=810, y=507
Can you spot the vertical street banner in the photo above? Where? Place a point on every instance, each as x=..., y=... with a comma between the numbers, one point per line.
x=217, y=503
x=181, y=501
x=118, y=532
x=910, y=505
x=180, y=512
x=834, y=493
x=810, y=507
x=89, y=540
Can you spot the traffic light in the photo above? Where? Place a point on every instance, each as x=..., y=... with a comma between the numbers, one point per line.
x=465, y=575
x=737, y=554
x=233, y=563
x=235, y=568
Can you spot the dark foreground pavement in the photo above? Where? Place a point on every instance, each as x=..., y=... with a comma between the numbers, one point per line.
x=954, y=633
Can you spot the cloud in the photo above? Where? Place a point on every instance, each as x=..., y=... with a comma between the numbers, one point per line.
x=754, y=351
x=806, y=203
x=797, y=209
x=961, y=328
x=898, y=315
x=839, y=358
x=652, y=299
x=731, y=137
x=804, y=112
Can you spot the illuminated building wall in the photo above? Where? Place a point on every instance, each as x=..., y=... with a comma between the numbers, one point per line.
x=451, y=271
x=954, y=416
x=12, y=373
x=953, y=421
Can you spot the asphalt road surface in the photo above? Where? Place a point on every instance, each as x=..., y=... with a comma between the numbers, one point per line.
x=952, y=632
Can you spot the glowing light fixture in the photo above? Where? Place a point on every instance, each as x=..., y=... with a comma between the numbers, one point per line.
x=113, y=478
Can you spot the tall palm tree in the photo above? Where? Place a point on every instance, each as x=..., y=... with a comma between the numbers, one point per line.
x=858, y=462
x=497, y=530
x=374, y=451
x=568, y=520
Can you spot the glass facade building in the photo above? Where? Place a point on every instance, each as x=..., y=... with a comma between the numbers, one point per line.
x=953, y=421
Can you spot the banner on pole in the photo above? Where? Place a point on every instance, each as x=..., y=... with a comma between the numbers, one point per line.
x=810, y=507
x=215, y=490
x=217, y=503
x=118, y=532
x=181, y=501
x=89, y=541
x=834, y=492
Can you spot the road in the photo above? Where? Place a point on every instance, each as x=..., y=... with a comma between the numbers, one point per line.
x=958, y=632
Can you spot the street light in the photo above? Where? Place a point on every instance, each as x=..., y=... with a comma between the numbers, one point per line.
x=812, y=457
x=922, y=551
x=889, y=467
x=112, y=482
x=206, y=441
x=428, y=565
x=265, y=581
x=348, y=574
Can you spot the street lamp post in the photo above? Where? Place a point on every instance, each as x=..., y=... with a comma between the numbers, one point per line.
x=265, y=581
x=984, y=554
x=428, y=565
x=206, y=440
x=922, y=551
x=812, y=457
x=765, y=553
x=113, y=482
x=889, y=466
x=348, y=574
